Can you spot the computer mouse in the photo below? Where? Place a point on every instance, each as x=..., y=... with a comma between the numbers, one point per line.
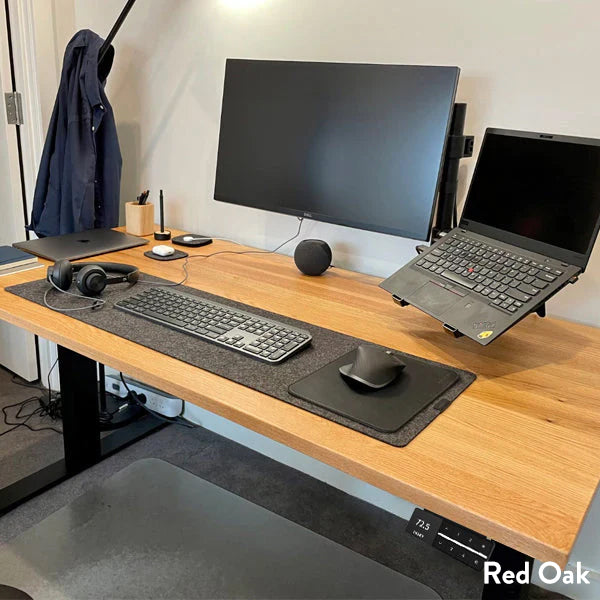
x=372, y=367
x=163, y=250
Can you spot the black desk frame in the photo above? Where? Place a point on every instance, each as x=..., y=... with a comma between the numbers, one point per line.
x=83, y=444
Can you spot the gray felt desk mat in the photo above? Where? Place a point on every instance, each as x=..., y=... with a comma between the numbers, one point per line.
x=326, y=346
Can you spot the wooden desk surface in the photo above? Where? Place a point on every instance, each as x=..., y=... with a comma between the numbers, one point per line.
x=516, y=457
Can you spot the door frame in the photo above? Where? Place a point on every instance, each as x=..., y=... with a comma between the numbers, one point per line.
x=21, y=14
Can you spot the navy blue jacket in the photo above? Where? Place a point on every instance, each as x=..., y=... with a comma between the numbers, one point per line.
x=78, y=183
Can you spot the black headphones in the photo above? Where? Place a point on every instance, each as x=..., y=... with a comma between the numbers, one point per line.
x=91, y=277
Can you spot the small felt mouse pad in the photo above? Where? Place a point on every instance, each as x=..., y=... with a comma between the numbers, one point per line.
x=386, y=409
x=176, y=255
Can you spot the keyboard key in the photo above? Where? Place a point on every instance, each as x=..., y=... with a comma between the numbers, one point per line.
x=219, y=330
x=517, y=295
x=528, y=289
x=538, y=283
x=546, y=276
x=458, y=279
x=170, y=320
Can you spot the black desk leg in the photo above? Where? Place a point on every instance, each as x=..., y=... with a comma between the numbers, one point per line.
x=509, y=560
x=81, y=425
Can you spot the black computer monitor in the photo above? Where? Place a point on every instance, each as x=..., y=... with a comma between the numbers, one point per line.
x=355, y=144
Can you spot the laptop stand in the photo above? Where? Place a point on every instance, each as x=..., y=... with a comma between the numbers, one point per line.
x=539, y=310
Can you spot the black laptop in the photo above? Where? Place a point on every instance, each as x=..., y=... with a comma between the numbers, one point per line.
x=528, y=227
x=73, y=246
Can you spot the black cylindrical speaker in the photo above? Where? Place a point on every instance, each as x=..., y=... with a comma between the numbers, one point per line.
x=312, y=257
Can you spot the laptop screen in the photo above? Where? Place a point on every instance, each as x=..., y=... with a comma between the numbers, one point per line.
x=547, y=190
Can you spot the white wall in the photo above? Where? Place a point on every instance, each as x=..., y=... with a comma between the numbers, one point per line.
x=526, y=64
x=54, y=27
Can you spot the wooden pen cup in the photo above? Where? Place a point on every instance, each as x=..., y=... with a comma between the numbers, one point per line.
x=139, y=218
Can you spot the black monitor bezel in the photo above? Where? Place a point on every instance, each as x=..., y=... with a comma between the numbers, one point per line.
x=328, y=218
x=568, y=256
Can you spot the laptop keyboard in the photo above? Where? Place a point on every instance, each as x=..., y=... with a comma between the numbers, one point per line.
x=507, y=280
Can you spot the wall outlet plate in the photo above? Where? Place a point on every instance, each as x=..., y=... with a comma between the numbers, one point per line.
x=157, y=401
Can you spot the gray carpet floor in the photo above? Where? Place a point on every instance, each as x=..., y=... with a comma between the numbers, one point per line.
x=336, y=515
x=22, y=451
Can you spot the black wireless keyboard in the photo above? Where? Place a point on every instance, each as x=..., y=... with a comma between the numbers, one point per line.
x=264, y=339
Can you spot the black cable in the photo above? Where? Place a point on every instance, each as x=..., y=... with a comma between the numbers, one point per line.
x=15, y=379
x=135, y=397
x=124, y=382
x=188, y=258
x=300, y=219
x=40, y=411
x=49, y=374
x=51, y=408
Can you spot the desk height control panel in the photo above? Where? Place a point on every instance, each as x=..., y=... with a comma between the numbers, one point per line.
x=455, y=540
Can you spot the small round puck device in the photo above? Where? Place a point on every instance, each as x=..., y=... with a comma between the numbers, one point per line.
x=192, y=240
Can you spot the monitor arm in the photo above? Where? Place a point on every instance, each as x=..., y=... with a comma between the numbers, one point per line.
x=458, y=146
